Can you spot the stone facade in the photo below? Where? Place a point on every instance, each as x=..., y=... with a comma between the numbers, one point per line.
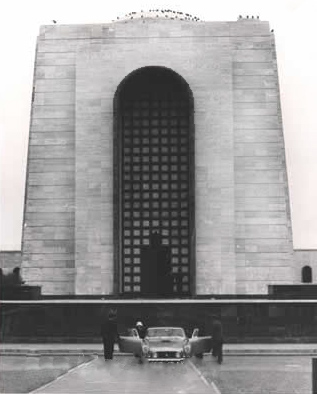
x=9, y=260
x=243, y=227
x=305, y=258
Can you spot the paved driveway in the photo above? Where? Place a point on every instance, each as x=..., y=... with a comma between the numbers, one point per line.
x=21, y=374
x=259, y=374
x=124, y=375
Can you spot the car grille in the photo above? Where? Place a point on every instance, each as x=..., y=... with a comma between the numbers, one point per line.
x=166, y=354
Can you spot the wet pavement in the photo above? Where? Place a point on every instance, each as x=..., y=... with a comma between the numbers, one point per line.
x=244, y=374
x=22, y=374
x=126, y=375
x=259, y=374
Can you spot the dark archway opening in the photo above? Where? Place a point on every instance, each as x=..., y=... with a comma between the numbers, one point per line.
x=154, y=233
x=307, y=275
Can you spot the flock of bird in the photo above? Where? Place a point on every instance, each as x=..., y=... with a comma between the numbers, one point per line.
x=161, y=13
x=170, y=14
x=248, y=17
x=252, y=17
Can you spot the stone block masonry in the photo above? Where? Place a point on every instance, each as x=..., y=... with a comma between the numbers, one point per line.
x=263, y=231
x=243, y=232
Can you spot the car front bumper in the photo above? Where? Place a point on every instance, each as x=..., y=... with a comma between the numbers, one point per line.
x=165, y=359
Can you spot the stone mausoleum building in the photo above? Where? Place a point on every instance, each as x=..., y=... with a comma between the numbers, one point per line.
x=156, y=146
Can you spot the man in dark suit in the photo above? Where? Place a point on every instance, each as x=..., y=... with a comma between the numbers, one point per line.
x=217, y=338
x=109, y=333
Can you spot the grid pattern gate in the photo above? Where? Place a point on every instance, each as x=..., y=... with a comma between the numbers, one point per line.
x=155, y=183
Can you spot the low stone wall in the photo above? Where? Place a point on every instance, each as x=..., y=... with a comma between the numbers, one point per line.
x=259, y=321
x=19, y=292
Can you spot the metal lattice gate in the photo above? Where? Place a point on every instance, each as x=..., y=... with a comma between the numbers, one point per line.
x=155, y=177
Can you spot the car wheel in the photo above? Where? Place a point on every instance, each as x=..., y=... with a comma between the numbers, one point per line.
x=199, y=355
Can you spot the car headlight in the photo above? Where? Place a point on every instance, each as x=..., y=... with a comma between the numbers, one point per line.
x=154, y=355
x=178, y=355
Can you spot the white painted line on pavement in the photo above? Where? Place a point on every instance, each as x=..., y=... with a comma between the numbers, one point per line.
x=62, y=376
x=199, y=373
x=212, y=384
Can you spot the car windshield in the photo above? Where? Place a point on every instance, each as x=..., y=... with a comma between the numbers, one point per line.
x=165, y=332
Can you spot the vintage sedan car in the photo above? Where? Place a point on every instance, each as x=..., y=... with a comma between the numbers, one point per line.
x=165, y=344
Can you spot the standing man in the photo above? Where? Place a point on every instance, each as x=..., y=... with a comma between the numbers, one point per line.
x=140, y=329
x=109, y=333
x=217, y=338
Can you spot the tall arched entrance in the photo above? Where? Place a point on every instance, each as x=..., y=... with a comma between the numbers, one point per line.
x=154, y=231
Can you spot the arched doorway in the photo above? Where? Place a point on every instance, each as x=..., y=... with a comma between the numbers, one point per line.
x=154, y=184
x=307, y=275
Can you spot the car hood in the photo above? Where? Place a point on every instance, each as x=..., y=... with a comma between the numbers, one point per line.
x=162, y=344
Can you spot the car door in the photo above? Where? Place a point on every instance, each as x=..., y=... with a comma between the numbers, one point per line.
x=131, y=344
x=199, y=345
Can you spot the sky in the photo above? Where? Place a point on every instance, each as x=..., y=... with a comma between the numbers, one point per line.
x=295, y=29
